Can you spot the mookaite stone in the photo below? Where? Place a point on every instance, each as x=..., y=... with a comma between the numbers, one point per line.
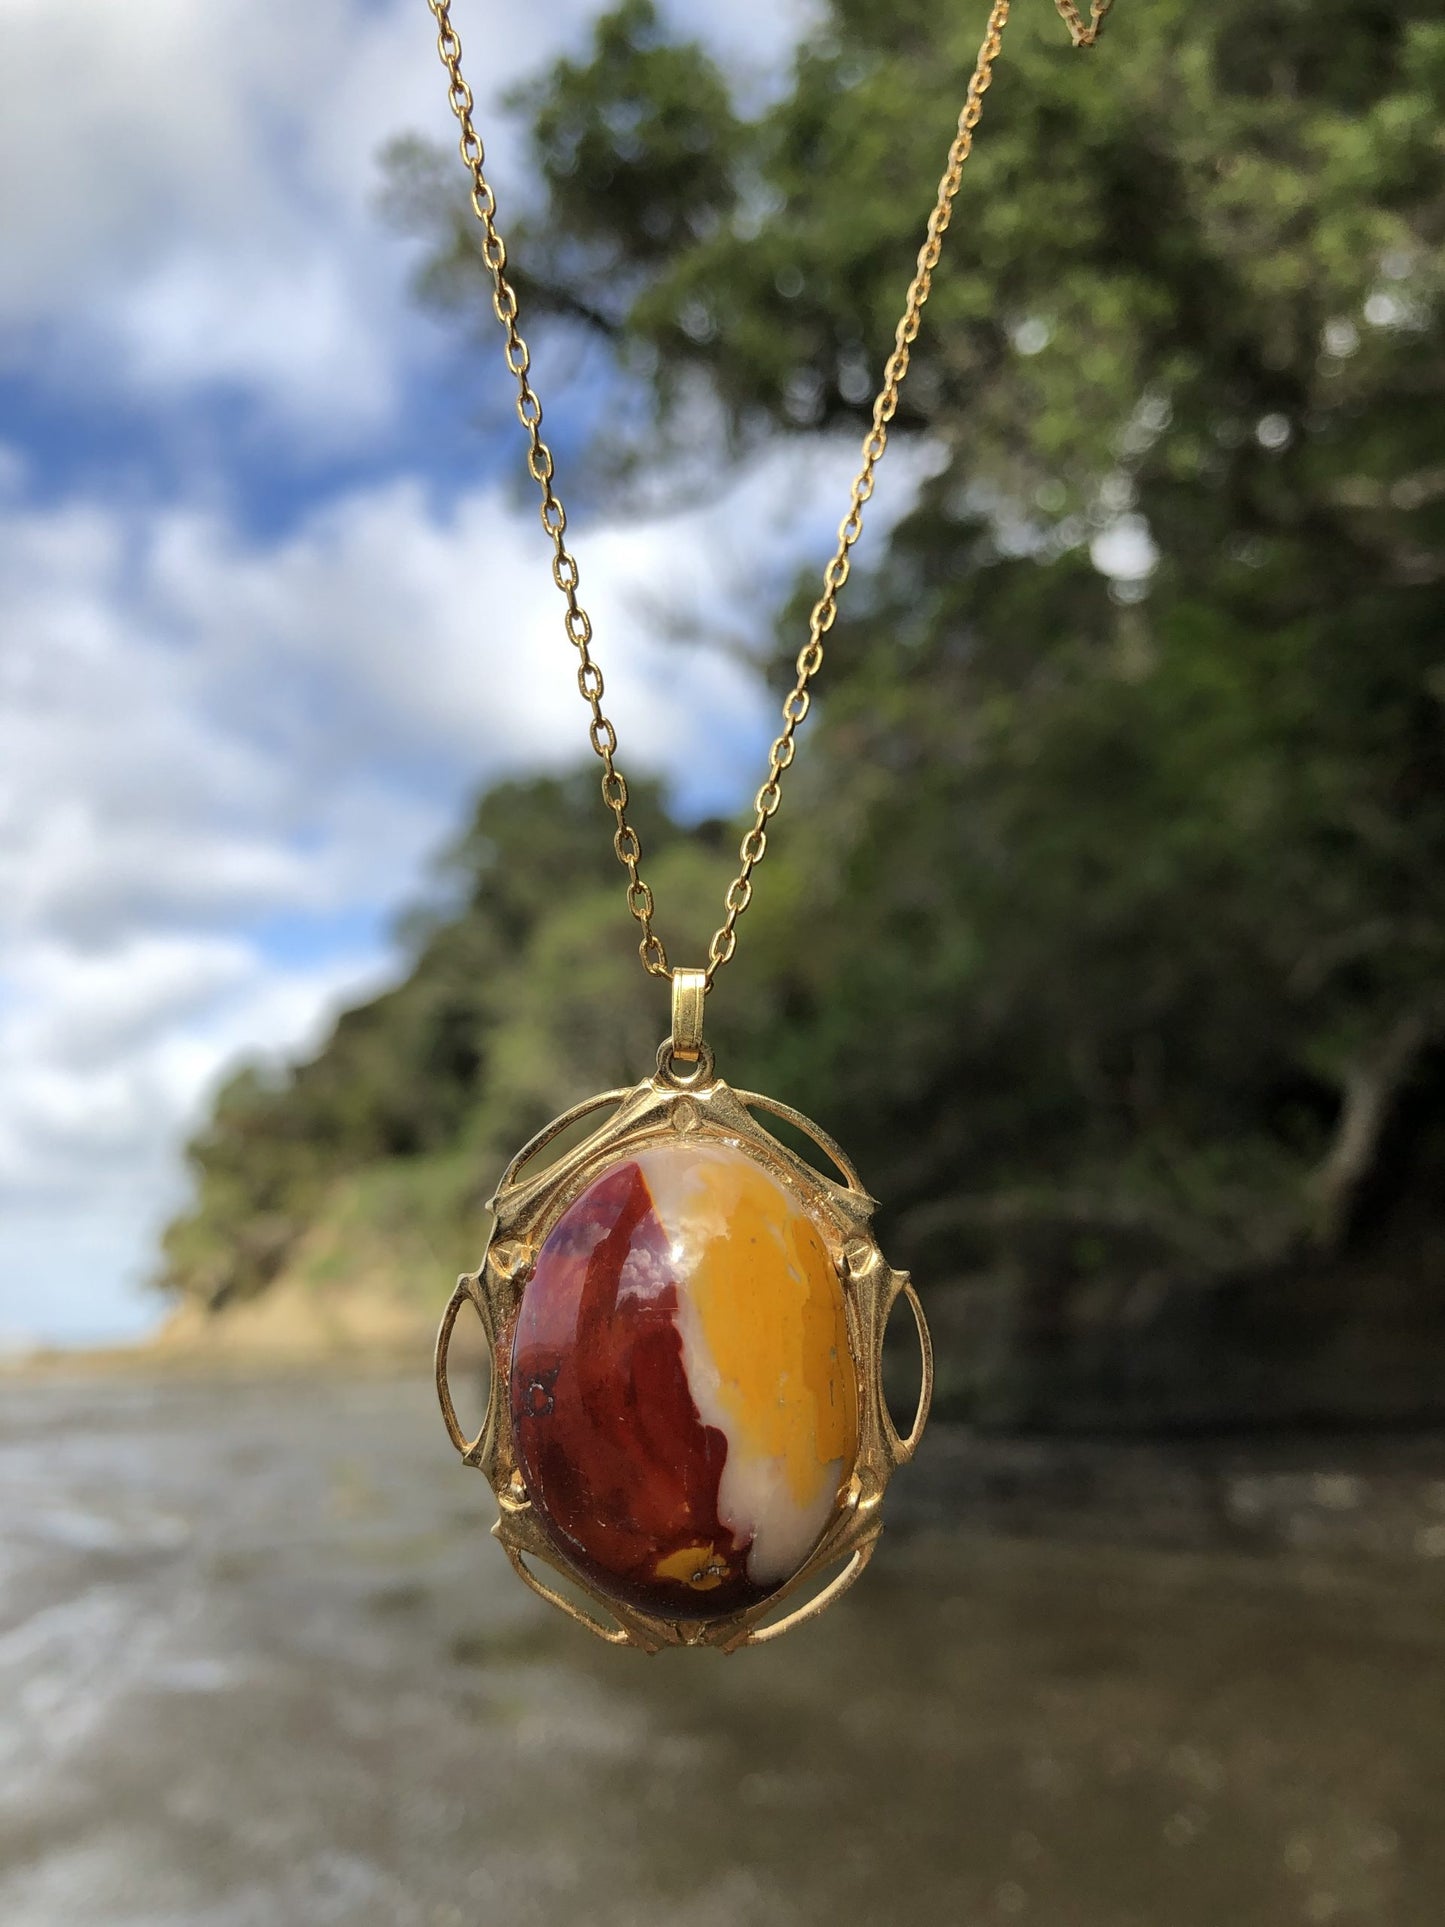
x=683, y=1397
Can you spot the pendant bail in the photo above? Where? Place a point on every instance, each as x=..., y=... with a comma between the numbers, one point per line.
x=689, y=988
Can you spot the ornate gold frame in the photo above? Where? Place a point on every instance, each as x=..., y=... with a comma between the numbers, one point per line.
x=525, y=1209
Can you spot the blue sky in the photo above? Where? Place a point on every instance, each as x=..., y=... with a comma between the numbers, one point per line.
x=271, y=608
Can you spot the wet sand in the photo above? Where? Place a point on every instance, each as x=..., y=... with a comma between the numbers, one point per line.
x=260, y=1664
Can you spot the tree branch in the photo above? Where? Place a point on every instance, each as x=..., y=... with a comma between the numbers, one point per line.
x=1372, y=1083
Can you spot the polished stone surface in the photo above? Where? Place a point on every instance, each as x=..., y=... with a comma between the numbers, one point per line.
x=683, y=1397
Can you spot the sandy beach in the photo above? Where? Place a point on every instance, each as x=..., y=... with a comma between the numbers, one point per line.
x=260, y=1664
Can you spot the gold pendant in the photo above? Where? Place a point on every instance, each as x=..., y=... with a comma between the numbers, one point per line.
x=685, y=1323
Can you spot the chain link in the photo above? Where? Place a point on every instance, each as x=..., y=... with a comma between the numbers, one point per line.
x=797, y=702
x=1081, y=35
x=565, y=573
x=825, y=610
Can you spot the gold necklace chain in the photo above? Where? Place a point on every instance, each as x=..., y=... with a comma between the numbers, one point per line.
x=565, y=574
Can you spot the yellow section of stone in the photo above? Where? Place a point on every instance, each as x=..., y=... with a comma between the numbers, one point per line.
x=771, y=1311
x=693, y=1566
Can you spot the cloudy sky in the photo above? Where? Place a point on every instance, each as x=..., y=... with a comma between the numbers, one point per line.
x=269, y=609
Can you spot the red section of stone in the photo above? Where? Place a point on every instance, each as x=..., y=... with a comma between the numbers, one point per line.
x=617, y=1462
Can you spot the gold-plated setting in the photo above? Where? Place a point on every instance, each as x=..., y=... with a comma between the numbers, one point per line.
x=689, y=988
x=529, y=1201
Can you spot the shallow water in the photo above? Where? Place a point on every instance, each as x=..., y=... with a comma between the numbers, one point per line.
x=261, y=1665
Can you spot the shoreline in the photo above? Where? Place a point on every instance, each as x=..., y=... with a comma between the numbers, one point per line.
x=1356, y=1496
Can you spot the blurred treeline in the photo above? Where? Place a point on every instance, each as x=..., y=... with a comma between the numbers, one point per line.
x=1105, y=918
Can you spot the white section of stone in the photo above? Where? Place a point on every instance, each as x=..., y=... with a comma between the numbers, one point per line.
x=784, y=1533
x=753, y=1497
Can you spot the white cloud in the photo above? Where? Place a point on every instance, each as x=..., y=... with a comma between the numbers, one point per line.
x=202, y=733
x=194, y=723
x=105, y=1062
x=187, y=192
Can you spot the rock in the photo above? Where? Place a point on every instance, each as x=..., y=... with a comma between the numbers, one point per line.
x=683, y=1395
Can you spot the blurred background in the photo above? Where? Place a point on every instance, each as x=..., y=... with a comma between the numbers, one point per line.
x=1103, y=923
